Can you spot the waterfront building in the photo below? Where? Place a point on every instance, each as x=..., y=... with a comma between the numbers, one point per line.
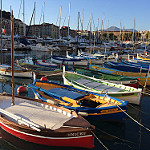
x=64, y=32
x=43, y=30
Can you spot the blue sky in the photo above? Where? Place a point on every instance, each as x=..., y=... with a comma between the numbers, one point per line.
x=113, y=10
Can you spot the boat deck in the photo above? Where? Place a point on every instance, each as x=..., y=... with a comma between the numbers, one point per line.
x=45, y=118
x=98, y=86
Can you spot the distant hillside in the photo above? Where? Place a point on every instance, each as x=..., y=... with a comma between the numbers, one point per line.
x=112, y=28
x=116, y=29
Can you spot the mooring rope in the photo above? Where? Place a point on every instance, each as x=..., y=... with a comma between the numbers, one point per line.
x=138, y=109
x=115, y=136
x=134, y=119
x=146, y=93
x=99, y=140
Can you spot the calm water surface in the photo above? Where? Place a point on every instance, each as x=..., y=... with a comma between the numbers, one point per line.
x=126, y=135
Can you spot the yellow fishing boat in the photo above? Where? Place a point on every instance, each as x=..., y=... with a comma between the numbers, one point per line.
x=141, y=76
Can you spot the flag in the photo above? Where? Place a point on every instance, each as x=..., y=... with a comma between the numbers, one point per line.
x=3, y=31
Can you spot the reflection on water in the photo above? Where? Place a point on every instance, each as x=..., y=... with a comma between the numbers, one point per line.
x=115, y=135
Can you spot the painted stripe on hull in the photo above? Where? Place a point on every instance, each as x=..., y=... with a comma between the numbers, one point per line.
x=83, y=141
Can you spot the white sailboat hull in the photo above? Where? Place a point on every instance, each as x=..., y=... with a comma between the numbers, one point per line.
x=26, y=74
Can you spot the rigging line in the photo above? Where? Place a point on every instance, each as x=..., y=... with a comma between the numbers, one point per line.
x=88, y=25
x=115, y=136
x=81, y=22
x=41, y=17
x=93, y=23
x=134, y=119
x=99, y=140
x=138, y=109
x=64, y=20
x=19, y=8
x=57, y=19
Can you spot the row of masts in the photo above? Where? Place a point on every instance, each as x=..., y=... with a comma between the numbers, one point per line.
x=91, y=18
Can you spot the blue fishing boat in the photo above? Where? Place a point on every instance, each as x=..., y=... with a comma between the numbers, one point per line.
x=89, y=104
x=136, y=64
x=68, y=61
x=43, y=63
x=124, y=67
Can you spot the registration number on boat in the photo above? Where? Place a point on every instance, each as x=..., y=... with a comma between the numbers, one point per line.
x=109, y=110
x=77, y=134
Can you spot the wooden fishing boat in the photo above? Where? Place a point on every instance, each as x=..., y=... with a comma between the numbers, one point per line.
x=18, y=72
x=130, y=94
x=143, y=58
x=40, y=70
x=68, y=61
x=89, y=104
x=125, y=67
x=129, y=81
x=136, y=64
x=143, y=77
x=46, y=64
x=43, y=123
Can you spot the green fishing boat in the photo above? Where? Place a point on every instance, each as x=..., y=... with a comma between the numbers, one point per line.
x=130, y=94
x=130, y=81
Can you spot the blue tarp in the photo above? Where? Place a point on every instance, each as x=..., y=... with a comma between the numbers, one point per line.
x=66, y=93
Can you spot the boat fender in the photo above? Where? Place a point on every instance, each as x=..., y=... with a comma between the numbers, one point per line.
x=16, y=61
x=83, y=114
x=43, y=79
x=21, y=89
x=52, y=102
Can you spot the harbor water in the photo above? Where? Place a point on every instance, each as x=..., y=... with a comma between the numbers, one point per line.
x=125, y=135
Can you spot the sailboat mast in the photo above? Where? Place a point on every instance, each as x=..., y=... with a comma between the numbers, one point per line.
x=133, y=34
x=91, y=32
x=68, y=20
x=34, y=15
x=1, y=35
x=102, y=27
x=120, y=31
x=43, y=19
x=78, y=27
x=34, y=11
x=24, y=28
x=108, y=31
x=98, y=30
x=12, y=57
x=59, y=22
x=91, y=26
x=82, y=18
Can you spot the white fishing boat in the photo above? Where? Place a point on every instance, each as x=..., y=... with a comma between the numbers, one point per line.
x=91, y=84
x=6, y=70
